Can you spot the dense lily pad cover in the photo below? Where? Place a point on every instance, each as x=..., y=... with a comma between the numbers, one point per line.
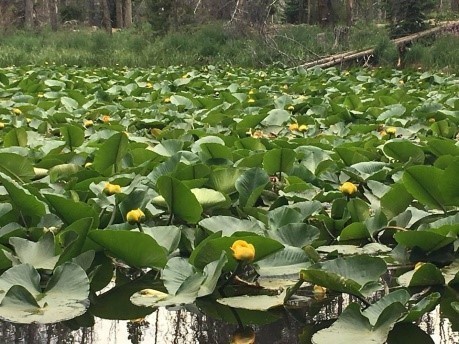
x=159, y=172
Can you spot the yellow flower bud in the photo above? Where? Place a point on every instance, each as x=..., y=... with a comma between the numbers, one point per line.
x=106, y=119
x=391, y=130
x=291, y=108
x=243, y=336
x=293, y=126
x=155, y=132
x=88, y=164
x=258, y=134
x=303, y=127
x=167, y=100
x=88, y=123
x=252, y=92
x=348, y=188
x=318, y=289
x=149, y=85
x=242, y=250
x=17, y=111
x=2, y=125
x=251, y=101
x=135, y=216
x=111, y=189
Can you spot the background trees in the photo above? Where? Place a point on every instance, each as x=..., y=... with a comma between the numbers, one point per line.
x=165, y=15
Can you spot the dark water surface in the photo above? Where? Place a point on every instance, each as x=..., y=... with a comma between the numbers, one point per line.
x=189, y=325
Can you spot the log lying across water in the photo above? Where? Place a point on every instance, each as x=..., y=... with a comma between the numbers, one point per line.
x=333, y=60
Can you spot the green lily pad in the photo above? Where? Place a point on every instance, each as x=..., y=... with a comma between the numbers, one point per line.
x=135, y=248
x=426, y=275
x=38, y=254
x=255, y=303
x=65, y=297
x=179, y=199
x=357, y=275
x=353, y=327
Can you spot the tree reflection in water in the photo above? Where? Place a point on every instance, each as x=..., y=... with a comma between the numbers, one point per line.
x=296, y=325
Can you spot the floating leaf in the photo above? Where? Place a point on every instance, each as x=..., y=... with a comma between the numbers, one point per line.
x=353, y=327
x=426, y=275
x=65, y=297
x=22, y=199
x=179, y=199
x=279, y=160
x=353, y=275
x=38, y=254
x=111, y=152
x=256, y=303
x=422, y=183
x=250, y=186
x=135, y=248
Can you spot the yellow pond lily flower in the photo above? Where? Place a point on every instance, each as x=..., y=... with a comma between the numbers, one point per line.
x=291, y=108
x=167, y=100
x=303, y=127
x=257, y=134
x=243, y=251
x=2, y=125
x=88, y=123
x=318, y=289
x=293, y=126
x=135, y=216
x=391, y=130
x=106, y=119
x=17, y=111
x=348, y=188
x=111, y=189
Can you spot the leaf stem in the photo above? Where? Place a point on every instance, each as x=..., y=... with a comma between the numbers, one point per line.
x=171, y=217
x=232, y=276
x=139, y=226
x=293, y=290
x=112, y=217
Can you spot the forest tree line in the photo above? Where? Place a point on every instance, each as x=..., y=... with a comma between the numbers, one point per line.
x=165, y=15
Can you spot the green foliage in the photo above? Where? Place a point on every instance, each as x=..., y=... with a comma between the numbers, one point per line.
x=217, y=160
x=408, y=16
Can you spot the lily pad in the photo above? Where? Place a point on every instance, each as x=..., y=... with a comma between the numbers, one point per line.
x=255, y=303
x=353, y=327
x=65, y=297
x=356, y=275
x=38, y=254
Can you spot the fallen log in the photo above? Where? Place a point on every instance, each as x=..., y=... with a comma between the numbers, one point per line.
x=335, y=59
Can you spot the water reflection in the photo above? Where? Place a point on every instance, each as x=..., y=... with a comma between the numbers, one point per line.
x=189, y=325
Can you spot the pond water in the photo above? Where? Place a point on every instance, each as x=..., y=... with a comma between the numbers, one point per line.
x=190, y=325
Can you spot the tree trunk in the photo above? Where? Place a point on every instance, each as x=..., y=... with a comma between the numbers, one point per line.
x=119, y=13
x=323, y=12
x=106, y=21
x=455, y=5
x=53, y=14
x=349, y=12
x=127, y=13
x=28, y=14
x=92, y=12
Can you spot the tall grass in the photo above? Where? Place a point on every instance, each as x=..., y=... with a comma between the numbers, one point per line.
x=214, y=43
x=440, y=54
